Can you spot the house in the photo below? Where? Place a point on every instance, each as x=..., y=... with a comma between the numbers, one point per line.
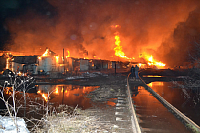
x=25, y=64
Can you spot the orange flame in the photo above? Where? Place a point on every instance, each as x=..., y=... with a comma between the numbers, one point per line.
x=56, y=91
x=57, y=59
x=46, y=53
x=68, y=54
x=152, y=61
x=118, y=48
x=7, y=63
x=45, y=97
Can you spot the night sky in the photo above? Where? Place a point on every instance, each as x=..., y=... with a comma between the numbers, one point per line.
x=166, y=29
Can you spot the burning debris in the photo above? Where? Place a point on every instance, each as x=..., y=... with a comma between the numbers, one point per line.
x=51, y=64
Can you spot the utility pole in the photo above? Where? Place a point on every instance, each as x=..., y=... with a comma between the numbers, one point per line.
x=64, y=59
x=115, y=67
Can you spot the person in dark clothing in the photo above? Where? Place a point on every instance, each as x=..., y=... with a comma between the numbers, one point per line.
x=132, y=71
x=136, y=72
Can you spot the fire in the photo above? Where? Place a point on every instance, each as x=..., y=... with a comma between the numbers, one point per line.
x=152, y=61
x=68, y=54
x=46, y=53
x=118, y=48
x=57, y=59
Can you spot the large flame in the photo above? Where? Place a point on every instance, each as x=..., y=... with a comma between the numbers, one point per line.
x=152, y=61
x=119, y=52
x=118, y=48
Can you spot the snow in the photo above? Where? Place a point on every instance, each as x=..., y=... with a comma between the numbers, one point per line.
x=7, y=125
x=87, y=74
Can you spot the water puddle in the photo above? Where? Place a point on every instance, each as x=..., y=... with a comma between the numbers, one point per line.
x=71, y=95
x=153, y=116
x=184, y=99
x=151, y=76
x=34, y=105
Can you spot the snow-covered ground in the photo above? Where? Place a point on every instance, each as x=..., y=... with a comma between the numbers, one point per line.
x=7, y=125
x=87, y=74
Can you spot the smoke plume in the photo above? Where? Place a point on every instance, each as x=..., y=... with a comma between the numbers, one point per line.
x=85, y=28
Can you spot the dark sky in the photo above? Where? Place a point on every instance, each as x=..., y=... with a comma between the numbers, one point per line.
x=164, y=28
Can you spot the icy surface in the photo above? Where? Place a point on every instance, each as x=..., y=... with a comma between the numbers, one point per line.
x=7, y=125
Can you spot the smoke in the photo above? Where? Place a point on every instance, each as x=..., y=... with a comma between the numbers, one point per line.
x=84, y=27
x=183, y=44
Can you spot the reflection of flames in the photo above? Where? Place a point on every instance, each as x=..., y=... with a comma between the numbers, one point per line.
x=111, y=103
x=45, y=96
x=8, y=90
x=67, y=92
x=155, y=83
x=56, y=91
x=7, y=63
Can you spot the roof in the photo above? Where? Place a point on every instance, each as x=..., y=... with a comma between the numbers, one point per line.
x=25, y=59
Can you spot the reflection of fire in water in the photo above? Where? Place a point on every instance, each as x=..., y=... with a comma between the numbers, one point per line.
x=156, y=76
x=110, y=102
x=67, y=91
x=56, y=91
x=8, y=90
x=45, y=96
x=155, y=83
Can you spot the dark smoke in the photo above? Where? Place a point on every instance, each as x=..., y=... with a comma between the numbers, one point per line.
x=183, y=44
x=85, y=27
